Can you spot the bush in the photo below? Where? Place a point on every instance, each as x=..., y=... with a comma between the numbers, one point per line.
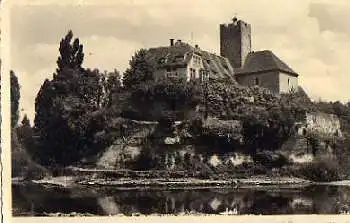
x=322, y=170
x=23, y=164
x=270, y=159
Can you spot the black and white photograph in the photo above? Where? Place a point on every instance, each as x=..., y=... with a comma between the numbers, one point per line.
x=179, y=108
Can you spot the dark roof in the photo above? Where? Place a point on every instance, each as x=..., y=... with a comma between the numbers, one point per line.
x=169, y=56
x=261, y=61
x=220, y=67
x=180, y=54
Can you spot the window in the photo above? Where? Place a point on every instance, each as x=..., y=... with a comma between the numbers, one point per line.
x=196, y=60
x=289, y=85
x=178, y=58
x=304, y=132
x=256, y=81
x=201, y=75
x=171, y=72
x=192, y=74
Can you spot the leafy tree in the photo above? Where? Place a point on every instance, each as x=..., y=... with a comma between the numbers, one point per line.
x=43, y=104
x=15, y=96
x=71, y=54
x=90, y=88
x=164, y=99
x=139, y=72
x=68, y=108
x=25, y=134
x=112, y=87
x=267, y=120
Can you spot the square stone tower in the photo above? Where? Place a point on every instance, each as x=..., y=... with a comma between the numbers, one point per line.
x=235, y=42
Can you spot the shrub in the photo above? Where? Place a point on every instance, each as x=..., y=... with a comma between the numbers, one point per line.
x=270, y=159
x=22, y=163
x=322, y=170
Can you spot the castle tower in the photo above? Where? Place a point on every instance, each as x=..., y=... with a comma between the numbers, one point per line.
x=235, y=42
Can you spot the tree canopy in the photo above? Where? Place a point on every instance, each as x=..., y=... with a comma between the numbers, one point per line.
x=71, y=54
x=139, y=72
x=15, y=96
x=67, y=107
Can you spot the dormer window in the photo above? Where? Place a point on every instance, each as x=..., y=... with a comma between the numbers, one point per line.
x=179, y=58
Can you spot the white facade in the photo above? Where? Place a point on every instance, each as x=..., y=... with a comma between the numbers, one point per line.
x=287, y=83
x=194, y=67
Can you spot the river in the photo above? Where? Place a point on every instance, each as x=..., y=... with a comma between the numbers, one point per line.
x=39, y=200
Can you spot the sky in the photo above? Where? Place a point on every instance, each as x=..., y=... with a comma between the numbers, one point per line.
x=312, y=37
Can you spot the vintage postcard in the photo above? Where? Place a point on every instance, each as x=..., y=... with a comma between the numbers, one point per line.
x=188, y=110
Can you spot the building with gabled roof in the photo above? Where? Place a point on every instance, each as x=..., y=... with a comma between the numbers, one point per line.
x=262, y=68
x=262, y=61
x=265, y=69
x=181, y=60
x=236, y=62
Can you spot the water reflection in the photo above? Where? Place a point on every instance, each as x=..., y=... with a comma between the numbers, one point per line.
x=34, y=200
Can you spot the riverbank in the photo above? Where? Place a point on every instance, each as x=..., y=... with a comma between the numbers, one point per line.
x=128, y=183
x=131, y=179
x=228, y=213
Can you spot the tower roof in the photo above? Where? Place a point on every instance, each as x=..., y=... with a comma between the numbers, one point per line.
x=261, y=61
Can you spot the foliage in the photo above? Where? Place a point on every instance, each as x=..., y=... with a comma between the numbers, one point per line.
x=15, y=96
x=71, y=55
x=75, y=109
x=25, y=134
x=22, y=164
x=155, y=99
x=321, y=170
x=162, y=99
x=267, y=120
x=111, y=86
x=139, y=72
x=342, y=110
x=342, y=153
x=68, y=108
x=270, y=159
x=67, y=120
x=339, y=109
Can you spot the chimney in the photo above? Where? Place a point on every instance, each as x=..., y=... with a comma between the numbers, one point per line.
x=179, y=40
x=235, y=20
x=171, y=42
x=196, y=46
